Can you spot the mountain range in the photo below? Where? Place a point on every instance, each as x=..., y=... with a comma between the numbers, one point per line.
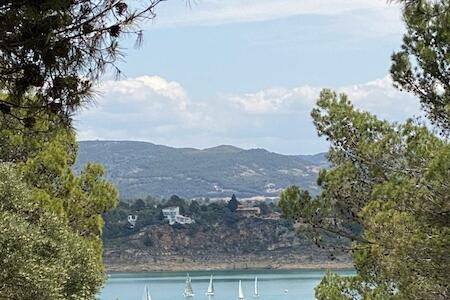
x=140, y=169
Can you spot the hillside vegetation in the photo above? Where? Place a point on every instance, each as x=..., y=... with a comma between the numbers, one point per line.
x=139, y=169
x=220, y=238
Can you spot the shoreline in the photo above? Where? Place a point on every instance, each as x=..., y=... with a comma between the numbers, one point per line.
x=224, y=266
x=302, y=268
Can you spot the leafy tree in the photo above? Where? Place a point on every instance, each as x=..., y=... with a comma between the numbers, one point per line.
x=79, y=199
x=265, y=209
x=233, y=203
x=391, y=181
x=422, y=65
x=387, y=190
x=151, y=201
x=138, y=204
x=41, y=258
x=230, y=218
x=174, y=200
x=194, y=207
x=52, y=51
x=43, y=162
x=273, y=207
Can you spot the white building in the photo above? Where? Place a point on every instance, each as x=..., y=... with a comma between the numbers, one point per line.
x=184, y=220
x=172, y=214
x=132, y=220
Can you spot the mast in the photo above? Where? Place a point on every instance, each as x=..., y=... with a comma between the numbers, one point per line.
x=188, y=291
x=256, y=294
x=241, y=293
x=210, y=291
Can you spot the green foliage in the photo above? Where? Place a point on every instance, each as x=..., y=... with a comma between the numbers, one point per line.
x=194, y=207
x=41, y=258
x=149, y=212
x=78, y=199
x=391, y=181
x=422, y=65
x=265, y=209
x=52, y=51
x=233, y=203
x=60, y=213
x=174, y=200
x=138, y=204
x=190, y=172
x=50, y=218
x=296, y=203
x=334, y=287
x=17, y=141
x=116, y=224
x=230, y=218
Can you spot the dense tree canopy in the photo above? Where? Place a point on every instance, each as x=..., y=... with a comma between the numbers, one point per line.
x=52, y=51
x=58, y=211
x=422, y=66
x=41, y=257
x=388, y=187
x=51, y=54
x=387, y=190
x=46, y=206
x=392, y=181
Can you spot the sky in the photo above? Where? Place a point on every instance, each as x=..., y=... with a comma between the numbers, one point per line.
x=248, y=72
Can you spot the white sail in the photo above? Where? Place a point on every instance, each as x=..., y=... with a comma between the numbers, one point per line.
x=188, y=291
x=241, y=293
x=147, y=294
x=255, y=293
x=210, y=290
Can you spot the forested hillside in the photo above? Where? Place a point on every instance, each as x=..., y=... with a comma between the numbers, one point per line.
x=139, y=169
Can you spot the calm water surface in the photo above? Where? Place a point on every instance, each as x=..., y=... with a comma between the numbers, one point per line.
x=273, y=285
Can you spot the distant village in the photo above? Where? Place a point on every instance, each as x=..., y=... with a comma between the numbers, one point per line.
x=172, y=215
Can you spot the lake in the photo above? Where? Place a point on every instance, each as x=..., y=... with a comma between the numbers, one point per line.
x=273, y=285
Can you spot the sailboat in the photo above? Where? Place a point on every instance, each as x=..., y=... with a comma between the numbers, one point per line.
x=210, y=291
x=188, y=291
x=255, y=293
x=147, y=293
x=241, y=293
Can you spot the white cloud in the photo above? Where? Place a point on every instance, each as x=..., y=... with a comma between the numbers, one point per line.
x=377, y=96
x=152, y=84
x=374, y=16
x=212, y=12
x=151, y=108
x=382, y=99
x=275, y=100
x=144, y=99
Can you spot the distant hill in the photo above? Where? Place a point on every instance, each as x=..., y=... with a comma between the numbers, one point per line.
x=140, y=169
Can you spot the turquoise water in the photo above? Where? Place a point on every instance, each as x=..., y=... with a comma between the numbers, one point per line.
x=273, y=285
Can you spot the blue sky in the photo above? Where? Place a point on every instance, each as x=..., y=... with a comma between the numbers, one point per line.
x=247, y=73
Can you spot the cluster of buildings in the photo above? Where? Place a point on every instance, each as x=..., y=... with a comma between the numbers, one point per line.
x=172, y=214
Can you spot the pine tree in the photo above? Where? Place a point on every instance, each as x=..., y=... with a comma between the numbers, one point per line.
x=233, y=203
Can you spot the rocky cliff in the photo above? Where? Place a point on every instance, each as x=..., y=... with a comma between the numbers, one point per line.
x=247, y=243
